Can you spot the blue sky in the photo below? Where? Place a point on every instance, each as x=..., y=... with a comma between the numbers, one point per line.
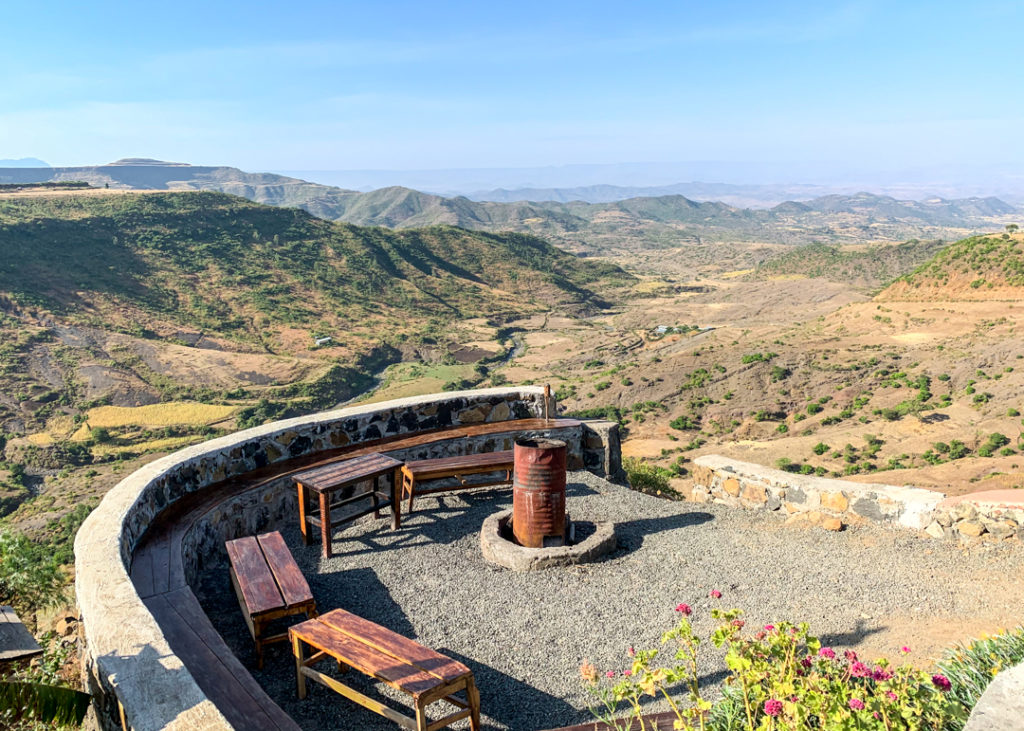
x=396, y=85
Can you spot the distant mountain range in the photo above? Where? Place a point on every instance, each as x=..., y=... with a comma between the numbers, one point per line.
x=746, y=196
x=23, y=162
x=612, y=226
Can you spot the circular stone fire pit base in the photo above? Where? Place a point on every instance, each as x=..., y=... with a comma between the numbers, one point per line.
x=598, y=539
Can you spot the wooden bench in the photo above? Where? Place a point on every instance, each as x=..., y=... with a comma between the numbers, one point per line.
x=459, y=468
x=17, y=644
x=268, y=584
x=425, y=675
x=327, y=480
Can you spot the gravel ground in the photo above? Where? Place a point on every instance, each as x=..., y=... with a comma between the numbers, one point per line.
x=525, y=635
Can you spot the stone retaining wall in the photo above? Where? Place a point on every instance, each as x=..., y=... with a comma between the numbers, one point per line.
x=816, y=499
x=993, y=515
x=126, y=658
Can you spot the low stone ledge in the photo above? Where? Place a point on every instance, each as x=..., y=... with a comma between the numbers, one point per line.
x=992, y=515
x=748, y=485
x=1001, y=706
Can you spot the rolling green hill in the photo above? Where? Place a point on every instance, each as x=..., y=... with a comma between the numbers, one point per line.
x=237, y=268
x=976, y=268
x=868, y=267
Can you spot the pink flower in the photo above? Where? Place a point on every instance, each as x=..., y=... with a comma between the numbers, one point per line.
x=859, y=670
x=716, y=594
x=631, y=652
x=941, y=682
x=627, y=673
x=738, y=623
x=610, y=674
x=773, y=707
x=857, y=704
x=891, y=696
x=769, y=628
x=760, y=635
x=880, y=674
x=807, y=662
x=828, y=653
x=905, y=650
x=850, y=655
x=684, y=609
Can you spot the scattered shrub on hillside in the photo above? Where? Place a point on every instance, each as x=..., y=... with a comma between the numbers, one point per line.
x=602, y=385
x=820, y=448
x=684, y=423
x=782, y=428
x=958, y=450
x=994, y=442
x=780, y=374
x=758, y=357
x=813, y=408
x=1012, y=412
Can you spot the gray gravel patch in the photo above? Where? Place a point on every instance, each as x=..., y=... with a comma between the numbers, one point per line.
x=524, y=635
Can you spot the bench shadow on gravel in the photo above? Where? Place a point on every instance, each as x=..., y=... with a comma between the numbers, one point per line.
x=631, y=533
x=514, y=703
x=851, y=638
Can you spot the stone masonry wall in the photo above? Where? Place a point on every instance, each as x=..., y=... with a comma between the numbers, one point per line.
x=126, y=658
x=816, y=499
x=276, y=503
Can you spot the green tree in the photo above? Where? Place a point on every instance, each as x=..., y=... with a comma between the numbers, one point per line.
x=30, y=578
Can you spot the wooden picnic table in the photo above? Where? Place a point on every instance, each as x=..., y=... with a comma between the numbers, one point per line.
x=332, y=478
x=268, y=584
x=460, y=467
x=425, y=675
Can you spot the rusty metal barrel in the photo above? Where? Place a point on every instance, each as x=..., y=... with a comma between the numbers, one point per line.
x=538, y=493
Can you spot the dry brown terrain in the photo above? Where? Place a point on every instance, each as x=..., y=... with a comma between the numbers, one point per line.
x=835, y=343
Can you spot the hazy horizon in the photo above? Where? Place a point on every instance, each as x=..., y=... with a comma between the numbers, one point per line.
x=857, y=86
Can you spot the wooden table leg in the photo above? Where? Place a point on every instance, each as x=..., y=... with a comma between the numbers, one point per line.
x=325, y=523
x=300, y=679
x=396, y=500
x=303, y=507
x=376, y=500
x=421, y=716
x=473, y=699
x=257, y=630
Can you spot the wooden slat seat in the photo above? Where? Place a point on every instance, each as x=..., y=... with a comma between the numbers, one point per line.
x=423, y=470
x=423, y=674
x=268, y=584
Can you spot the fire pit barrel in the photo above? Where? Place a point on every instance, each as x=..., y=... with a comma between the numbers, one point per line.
x=538, y=493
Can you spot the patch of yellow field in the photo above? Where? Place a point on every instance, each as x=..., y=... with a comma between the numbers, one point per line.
x=912, y=338
x=174, y=413
x=42, y=439
x=736, y=273
x=168, y=444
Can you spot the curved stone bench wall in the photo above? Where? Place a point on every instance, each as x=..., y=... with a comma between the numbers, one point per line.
x=747, y=485
x=127, y=660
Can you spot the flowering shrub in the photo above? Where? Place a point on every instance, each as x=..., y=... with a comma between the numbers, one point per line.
x=780, y=677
